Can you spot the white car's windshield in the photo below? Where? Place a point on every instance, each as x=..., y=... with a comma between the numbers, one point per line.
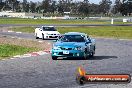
x=49, y=29
x=72, y=38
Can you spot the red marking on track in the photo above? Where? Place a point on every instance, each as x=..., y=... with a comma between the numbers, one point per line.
x=34, y=54
x=47, y=51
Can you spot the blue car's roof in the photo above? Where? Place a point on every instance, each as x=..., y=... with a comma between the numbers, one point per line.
x=75, y=33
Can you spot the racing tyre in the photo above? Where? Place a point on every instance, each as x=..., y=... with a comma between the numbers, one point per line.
x=36, y=36
x=43, y=36
x=54, y=57
x=91, y=55
x=85, y=57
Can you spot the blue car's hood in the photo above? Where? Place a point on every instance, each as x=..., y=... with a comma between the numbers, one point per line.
x=71, y=44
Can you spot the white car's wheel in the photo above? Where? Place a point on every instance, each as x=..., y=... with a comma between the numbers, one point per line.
x=36, y=36
x=43, y=36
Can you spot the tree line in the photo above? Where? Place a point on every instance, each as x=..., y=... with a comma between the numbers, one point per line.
x=76, y=8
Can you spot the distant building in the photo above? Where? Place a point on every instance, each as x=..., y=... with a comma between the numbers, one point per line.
x=21, y=14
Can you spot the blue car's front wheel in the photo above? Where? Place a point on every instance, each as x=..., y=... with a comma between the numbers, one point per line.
x=54, y=57
x=85, y=57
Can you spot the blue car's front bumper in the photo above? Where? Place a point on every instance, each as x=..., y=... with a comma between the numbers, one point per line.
x=71, y=53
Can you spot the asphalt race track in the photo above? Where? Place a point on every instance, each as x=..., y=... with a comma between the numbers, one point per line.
x=113, y=56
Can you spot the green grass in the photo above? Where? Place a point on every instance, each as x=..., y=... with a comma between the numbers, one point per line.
x=105, y=31
x=57, y=21
x=42, y=21
x=109, y=31
x=7, y=50
x=23, y=29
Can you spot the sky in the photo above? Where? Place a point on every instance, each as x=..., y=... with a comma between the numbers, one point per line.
x=91, y=1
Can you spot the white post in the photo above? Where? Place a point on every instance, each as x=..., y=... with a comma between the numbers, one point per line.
x=112, y=21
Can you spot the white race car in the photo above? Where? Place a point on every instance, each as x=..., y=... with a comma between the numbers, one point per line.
x=47, y=32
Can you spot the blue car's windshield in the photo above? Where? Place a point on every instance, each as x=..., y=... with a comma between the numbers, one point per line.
x=72, y=38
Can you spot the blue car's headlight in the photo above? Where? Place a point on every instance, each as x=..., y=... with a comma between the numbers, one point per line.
x=56, y=48
x=78, y=48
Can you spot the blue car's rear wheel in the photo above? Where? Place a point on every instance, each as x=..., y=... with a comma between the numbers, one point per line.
x=91, y=55
x=54, y=57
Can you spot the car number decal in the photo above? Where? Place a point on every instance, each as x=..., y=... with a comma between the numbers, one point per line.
x=65, y=52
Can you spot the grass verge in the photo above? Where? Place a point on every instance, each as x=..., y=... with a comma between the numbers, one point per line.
x=112, y=31
x=54, y=21
x=16, y=46
x=7, y=50
x=23, y=29
x=107, y=31
x=44, y=21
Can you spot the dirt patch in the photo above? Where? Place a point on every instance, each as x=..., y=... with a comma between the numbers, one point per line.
x=42, y=45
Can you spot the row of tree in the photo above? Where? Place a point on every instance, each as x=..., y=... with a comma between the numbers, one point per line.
x=74, y=7
x=122, y=6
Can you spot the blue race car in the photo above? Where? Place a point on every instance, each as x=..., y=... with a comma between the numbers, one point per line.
x=74, y=44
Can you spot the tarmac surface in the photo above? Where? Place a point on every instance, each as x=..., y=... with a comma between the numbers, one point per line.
x=113, y=56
